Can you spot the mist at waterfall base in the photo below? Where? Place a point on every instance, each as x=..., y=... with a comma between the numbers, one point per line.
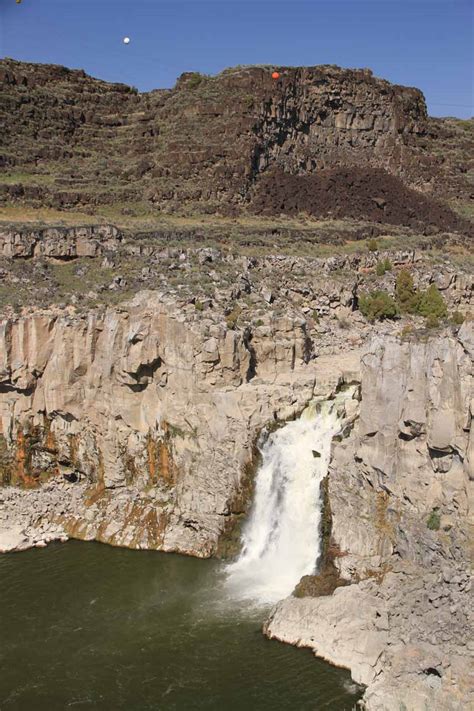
x=281, y=541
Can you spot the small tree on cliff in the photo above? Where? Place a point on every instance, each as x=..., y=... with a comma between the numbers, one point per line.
x=432, y=304
x=377, y=306
x=405, y=292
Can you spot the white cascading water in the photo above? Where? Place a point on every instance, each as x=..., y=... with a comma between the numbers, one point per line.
x=281, y=539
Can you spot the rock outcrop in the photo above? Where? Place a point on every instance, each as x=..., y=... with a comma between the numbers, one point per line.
x=321, y=122
x=99, y=265
x=400, y=492
x=59, y=243
x=136, y=406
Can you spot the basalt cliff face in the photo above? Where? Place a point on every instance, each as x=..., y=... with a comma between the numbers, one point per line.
x=323, y=140
x=135, y=423
x=153, y=412
x=136, y=426
x=400, y=490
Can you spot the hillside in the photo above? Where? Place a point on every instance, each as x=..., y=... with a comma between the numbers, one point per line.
x=323, y=141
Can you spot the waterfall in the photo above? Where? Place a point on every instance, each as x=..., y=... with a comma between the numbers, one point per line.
x=281, y=539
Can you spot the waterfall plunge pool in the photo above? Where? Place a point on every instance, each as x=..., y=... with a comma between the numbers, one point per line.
x=89, y=626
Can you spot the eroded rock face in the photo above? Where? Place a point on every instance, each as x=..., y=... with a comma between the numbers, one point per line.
x=399, y=489
x=151, y=410
x=232, y=129
x=59, y=243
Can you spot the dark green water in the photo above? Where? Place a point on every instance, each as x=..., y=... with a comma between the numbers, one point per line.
x=87, y=626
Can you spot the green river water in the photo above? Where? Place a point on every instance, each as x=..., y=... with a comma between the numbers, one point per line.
x=88, y=626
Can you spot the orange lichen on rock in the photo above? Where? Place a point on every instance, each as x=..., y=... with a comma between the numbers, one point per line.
x=21, y=459
x=167, y=467
x=160, y=459
x=152, y=455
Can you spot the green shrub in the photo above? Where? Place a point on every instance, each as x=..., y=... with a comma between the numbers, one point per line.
x=432, y=322
x=432, y=303
x=405, y=292
x=372, y=245
x=384, y=266
x=233, y=316
x=249, y=102
x=194, y=80
x=199, y=306
x=457, y=318
x=377, y=306
x=467, y=124
x=429, y=303
x=434, y=520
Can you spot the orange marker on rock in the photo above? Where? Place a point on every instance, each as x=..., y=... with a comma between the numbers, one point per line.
x=275, y=75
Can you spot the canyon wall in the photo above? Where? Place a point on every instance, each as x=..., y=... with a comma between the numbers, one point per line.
x=150, y=411
x=205, y=144
x=400, y=491
x=136, y=425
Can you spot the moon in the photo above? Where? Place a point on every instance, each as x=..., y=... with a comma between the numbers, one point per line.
x=126, y=40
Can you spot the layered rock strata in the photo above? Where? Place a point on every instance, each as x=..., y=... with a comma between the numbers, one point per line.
x=90, y=267
x=205, y=143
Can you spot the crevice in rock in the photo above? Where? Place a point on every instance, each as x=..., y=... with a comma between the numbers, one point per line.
x=252, y=369
x=439, y=453
x=308, y=345
x=431, y=671
x=8, y=388
x=144, y=374
x=66, y=416
x=406, y=437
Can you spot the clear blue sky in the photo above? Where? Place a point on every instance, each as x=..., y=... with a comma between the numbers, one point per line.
x=423, y=43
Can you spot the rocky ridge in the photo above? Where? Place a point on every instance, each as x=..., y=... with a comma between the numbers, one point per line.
x=319, y=124
x=96, y=266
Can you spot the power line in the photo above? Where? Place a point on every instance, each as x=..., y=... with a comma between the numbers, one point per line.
x=464, y=106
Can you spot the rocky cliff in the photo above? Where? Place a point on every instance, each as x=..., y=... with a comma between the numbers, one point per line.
x=135, y=425
x=134, y=421
x=400, y=491
x=148, y=405
x=235, y=141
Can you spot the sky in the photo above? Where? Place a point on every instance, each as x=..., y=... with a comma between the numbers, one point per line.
x=424, y=43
